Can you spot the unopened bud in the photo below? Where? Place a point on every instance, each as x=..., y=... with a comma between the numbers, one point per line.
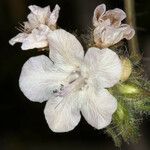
x=126, y=69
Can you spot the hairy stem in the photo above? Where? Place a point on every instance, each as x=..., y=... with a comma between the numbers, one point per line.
x=131, y=19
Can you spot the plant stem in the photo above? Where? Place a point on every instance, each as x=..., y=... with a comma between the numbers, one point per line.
x=131, y=19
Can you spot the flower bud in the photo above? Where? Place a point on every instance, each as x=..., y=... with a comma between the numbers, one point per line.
x=126, y=69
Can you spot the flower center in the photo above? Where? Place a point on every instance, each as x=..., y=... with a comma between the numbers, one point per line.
x=74, y=82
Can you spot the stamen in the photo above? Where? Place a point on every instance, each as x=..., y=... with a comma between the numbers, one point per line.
x=22, y=25
x=57, y=91
x=72, y=83
x=22, y=28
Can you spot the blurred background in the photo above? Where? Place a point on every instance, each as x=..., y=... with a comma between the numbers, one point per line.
x=22, y=123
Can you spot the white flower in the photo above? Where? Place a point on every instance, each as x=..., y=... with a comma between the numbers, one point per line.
x=108, y=27
x=41, y=21
x=72, y=83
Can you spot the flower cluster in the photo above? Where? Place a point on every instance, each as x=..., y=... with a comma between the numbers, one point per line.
x=71, y=81
x=34, y=32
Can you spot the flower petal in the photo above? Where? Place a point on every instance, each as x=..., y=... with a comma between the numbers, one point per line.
x=54, y=16
x=65, y=50
x=37, y=39
x=41, y=14
x=98, y=108
x=33, y=21
x=39, y=78
x=115, y=16
x=98, y=13
x=108, y=35
x=105, y=66
x=19, y=38
x=27, y=26
x=129, y=32
x=62, y=113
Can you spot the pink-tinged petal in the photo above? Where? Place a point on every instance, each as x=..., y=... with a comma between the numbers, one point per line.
x=115, y=16
x=62, y=113
x=65, y=50
x=98, y=108
x=129, y=32
x=105, y=67
x=98, y=13
x=52, y=20
x=100, y=34
x=108, y=36
x=39, y=78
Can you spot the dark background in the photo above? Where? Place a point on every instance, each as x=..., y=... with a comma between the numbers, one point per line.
x=22, y=122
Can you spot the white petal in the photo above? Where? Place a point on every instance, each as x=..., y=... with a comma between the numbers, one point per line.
x=27, y=26
x=39, y=78
x=19, y=38
x=65, y=49
x=41, y=14
x=98, y=108
x=37, y=39
x=62, y=113
x=98, y=13
x=54, y=16
x=38, y=10
x=33, y=21
x=105, y=66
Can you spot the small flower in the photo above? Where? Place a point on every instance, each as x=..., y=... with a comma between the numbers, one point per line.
x=108, y=27
x=72, y=83
x=41, y=21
